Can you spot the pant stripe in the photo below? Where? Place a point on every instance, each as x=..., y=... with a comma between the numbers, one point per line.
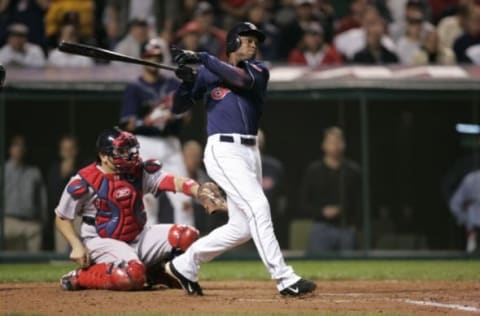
x=249, y=206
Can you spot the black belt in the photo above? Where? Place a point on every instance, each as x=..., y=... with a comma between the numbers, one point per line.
x=243, y=140
x=89, y=220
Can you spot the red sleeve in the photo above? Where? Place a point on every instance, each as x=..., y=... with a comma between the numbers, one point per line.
x=332, y=57
x=167, y=183
x=296, y=57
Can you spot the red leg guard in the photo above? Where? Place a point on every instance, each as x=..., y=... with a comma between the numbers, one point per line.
x=109, y=276
x=182, y=236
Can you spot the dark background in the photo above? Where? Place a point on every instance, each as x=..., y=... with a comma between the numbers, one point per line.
x=412, y=143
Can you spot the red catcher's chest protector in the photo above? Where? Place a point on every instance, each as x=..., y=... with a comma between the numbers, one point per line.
x=120, y=211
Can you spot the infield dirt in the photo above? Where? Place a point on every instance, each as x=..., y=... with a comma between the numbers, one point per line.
x=383, y=297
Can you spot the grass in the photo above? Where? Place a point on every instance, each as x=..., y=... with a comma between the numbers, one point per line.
x=254, y=270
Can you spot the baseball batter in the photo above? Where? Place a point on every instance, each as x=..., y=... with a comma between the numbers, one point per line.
x=116, y=250
x=234, y=94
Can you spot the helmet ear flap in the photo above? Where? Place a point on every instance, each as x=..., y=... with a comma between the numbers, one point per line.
x=234, y=44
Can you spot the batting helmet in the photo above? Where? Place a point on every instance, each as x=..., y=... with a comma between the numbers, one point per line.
x=122, y=146
x=243, y=28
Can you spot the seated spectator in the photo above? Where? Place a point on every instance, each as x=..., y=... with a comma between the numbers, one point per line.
x=234, y=11
x=418, y=45
x=350, y=42
x=313, y=51
x=305, y=14
x=269, y=48
x=354, y=19
x=211, y=38
x=28, y=12
x=25, y=200
x=189, y=37
x=465, y=206
x=61, y=170
x=18, y=52
x=330, y=196
x=375, y=52
x=451, y=27
x=78, y=12
x=137, y=35
x=414, y=13
x=467, y=46
x=57, y=58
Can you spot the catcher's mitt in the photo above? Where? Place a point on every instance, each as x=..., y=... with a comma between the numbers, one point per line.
x=211, y=198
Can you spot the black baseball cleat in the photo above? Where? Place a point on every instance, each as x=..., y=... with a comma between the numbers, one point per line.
x=192, y=288
x=299, y=288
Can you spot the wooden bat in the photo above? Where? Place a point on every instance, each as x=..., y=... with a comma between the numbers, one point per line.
x=100, y=53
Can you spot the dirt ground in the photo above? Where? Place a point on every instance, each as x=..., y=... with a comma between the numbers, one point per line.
x=405, y=297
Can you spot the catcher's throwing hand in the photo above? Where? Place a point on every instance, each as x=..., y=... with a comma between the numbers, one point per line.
x=211, y=198
x=80, y=255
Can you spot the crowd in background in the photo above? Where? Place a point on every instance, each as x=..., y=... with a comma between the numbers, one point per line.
x=301, y=32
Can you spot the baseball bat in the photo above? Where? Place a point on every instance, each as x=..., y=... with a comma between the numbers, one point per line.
x=100, y=53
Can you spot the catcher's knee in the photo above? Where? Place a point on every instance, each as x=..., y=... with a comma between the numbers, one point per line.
x=182, y=236
x=128, y=276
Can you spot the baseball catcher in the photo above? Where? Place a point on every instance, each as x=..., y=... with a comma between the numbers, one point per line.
x=116, y=250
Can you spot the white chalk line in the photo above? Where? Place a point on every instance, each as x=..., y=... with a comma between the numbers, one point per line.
x=459, y=307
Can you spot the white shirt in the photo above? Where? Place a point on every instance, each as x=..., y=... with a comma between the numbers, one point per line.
x=32, y=56
x=60, y=59
x=350, y=42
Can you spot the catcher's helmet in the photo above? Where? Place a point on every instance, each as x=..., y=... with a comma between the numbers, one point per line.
x=243, y=28
x=122, y=146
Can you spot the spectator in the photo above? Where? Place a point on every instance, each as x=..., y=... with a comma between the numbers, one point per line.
x=467, y=46
x=18, y=52
x=419, y=43
x=313, y=51
x=25, y=200
x=375, y=52
x=77, y=12
x=350, y=42
x=273, y=185
x=306, y=13
x=257, y=15
x=189, y=38
x=414, y=12
x=137, y=35
x=211, y=38
x=234, y=11
x=28, y=12
x=451, y=27
x=330, y=196
x=59, y=59
x=465, y=206
x=146, y=111
x=354, y=19
x=59, y=174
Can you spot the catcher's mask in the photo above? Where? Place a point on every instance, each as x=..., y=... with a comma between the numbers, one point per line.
x=122, y=147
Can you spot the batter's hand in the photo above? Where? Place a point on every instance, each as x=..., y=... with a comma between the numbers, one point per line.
x=186, y=74
x=183, y=57
x=211, y=198
x=80, y=255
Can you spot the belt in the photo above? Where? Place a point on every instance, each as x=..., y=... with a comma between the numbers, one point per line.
x=89, y=220
x=243, y=140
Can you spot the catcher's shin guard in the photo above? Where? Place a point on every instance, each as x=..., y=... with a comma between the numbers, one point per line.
x=110, y=276
x=182, y=236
